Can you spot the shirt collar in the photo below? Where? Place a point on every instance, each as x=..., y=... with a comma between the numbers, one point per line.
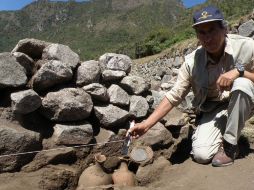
x=227, y=50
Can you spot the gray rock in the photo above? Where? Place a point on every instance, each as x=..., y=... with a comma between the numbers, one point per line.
x=61, y=156
x=25, y=61
x=62, y=53
x=69, y=104
x=50, y=74
x=12, y=74
x=15, y=139
x=73, y=134
x=110, y=75
x=174, y=118
x=186, y=104
x=25, y=102
x=31, y=47
x=247, y=29
x=138, y=106
x=117, y=62
x=166, y=78
x=118, y=96
x=157, y=96
x=149, y=99
x=97, y=91
x=155, y=85
x=134, y=84
x=158, y=135
x=110, y=116
x=149, y=173
x=178, y=62
x=88, y=72
x=104, y=136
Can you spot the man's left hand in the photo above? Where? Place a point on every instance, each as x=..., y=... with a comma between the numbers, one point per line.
x=226, y=80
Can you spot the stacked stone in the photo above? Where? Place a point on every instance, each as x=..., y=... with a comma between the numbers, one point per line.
x=49, y=81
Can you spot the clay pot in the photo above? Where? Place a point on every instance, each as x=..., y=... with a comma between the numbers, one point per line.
x=94, y=175
x=123, y=177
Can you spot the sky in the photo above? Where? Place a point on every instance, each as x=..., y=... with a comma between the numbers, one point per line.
x=18, y=4
x=190, y=3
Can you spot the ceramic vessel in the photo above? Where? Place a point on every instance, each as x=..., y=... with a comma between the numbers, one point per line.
x=94, y=175
x=123, y=177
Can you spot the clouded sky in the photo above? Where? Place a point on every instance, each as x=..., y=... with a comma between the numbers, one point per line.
x=18, y=4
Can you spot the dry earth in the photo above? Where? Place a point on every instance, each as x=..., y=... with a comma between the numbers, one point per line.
x=182, y=176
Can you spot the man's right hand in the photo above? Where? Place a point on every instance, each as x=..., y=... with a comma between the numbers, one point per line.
x=138, y=130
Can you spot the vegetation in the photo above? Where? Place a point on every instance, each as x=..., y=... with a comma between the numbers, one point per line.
x=136, y=28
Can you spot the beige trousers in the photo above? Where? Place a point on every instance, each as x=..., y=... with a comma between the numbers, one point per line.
x=225, y=122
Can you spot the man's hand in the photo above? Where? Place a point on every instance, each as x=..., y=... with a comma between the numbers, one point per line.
x=226, y=80
x=138, y=130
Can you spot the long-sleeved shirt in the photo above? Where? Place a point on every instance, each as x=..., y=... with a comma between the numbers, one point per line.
x=200, y=72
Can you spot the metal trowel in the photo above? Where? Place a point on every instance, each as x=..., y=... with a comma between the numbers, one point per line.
x=127, y=141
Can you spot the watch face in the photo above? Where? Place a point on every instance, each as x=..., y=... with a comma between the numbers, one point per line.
x=240, y=67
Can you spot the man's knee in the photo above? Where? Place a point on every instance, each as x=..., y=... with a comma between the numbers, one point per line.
x=245, y=85
x=202, y=155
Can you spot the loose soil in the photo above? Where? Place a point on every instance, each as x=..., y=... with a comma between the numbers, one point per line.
x=184, y=174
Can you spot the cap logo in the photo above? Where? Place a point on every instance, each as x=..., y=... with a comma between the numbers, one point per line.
x=204, y=15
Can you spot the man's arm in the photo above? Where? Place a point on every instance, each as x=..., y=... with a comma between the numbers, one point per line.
x=141, y=128
x=226, y=80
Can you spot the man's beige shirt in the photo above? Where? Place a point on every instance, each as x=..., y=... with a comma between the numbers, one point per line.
x=215, y=69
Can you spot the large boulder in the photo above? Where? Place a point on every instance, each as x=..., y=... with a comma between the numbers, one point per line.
x=15, y=139
x=62, y=53
x=25, y=61
x=134, y=84
x=12, y=74
x=112, y=61
x=110, y=75
x=97, y=91
x=50, y=74
x=69, y=104
x=110, y=116
x=26, y=101
x=32, y=47
x=118, y=96
x=88, y=72
x=73, y=134
x=157, y=136
x=138, y=106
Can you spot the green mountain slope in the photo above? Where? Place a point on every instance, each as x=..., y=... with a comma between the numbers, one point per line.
x=134, y=27
x=90, y=28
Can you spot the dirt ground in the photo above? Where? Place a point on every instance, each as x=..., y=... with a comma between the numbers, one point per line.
x=189, y=175
x=186, y=175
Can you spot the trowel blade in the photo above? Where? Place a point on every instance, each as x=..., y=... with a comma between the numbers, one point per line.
x=125, y=148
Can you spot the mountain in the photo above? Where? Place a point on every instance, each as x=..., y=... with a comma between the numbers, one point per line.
x=89, y=28
x=137, y=28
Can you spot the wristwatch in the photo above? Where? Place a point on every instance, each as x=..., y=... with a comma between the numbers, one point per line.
x=240, y=69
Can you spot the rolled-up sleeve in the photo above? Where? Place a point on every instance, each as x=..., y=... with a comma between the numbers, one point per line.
x=250, y=47
x=182, y=86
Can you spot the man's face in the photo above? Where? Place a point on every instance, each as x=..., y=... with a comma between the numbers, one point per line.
x=211, y=37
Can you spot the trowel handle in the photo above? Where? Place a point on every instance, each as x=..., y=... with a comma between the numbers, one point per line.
x=132, y=123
